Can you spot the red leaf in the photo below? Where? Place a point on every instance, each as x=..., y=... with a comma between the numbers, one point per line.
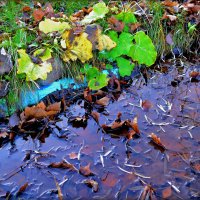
x=38, y=14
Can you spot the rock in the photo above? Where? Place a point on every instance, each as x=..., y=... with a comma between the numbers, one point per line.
x=3, y=88
x=55, y=74
x=5, y=62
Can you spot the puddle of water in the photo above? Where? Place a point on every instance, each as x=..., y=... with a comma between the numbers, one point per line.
x=120, y=168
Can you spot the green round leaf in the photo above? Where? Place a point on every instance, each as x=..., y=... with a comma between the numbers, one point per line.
x=98, y=82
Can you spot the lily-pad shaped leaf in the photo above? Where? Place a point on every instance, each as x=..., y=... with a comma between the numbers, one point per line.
x=99, y=11
x=125, y=67
x=98, y=82
x=49, y=26
x=79, y=48
x=32, y=71
x=143, y=50
x=44, y=54
x=124, y=43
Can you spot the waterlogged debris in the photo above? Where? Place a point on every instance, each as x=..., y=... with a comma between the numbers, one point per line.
x=147, y=193
x=95, y=115
x=85, y=171
x=22, y=189
x=63, y=165
x=167, y=192
x=146, y=105
x=93, y=184
x=103, y=101
x=156, y=140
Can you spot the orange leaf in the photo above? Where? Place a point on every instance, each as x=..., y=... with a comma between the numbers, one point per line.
x=73, y=155
x=26, y=9
x=54, y=107
x=170, y=3
x=167, y=192
x=156, y=140
x=85, y=171
x=130, y=134
x=116, y=24
x=38, y=14
x=194, y=74
x=146, y=105
x=134, y=125
x=22, y=188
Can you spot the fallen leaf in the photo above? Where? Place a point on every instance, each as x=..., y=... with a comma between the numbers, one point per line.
x=147, y=193
x=95, y=115
x=156, y=140
x=146, y=105
x=170, y=3
x=167, y=192
x=130, y=134
x=116, y=24
x=38, y=14
x=85, y=171
x=26, y=9
x=73, y=155
x=62, y=165
x=54, y=107
x=134, y=125
x=87, y=95
x=103, y=101
x=194, y=74
x=133, y=27
x=49, y=26
x=91, y=183
x=79, y=48
x=22, y=189
x=12, y=136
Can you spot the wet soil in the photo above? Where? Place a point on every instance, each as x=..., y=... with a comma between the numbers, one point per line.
x=122, y=168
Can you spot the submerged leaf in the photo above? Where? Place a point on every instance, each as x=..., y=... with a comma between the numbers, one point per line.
x=99, y=11
x=143, y=50
x=49, y=26
x=85, y=171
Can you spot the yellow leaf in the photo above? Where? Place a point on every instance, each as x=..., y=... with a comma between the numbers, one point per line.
x=105, y=43
x=48, y=26
x=79, y=48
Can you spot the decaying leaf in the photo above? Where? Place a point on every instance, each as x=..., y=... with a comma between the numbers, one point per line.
x=167, y=192
x=147, y=193
x=91, y=183
x=85, y=171
x=3, y=134
x=22, y=188
x=49, y=26
x=99, y=11
x=87, y=95
x=38, y=14
x=146, y=105
x=134, y=125
x=80, y=48
x=32, y=71
x=73, y=155
x=95, y=115
x=130, y=134
x=103, y=101
x=170, y=3
x=156, y=140
x=63, y=165
x=115, y=24
x=194, y=74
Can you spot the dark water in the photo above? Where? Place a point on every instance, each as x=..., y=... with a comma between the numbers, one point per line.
x=122, y=168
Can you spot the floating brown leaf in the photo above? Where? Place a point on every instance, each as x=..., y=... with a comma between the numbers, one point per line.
x=194, y=74
x=130, y=134
x=146, y=105
x=167, y=192
x=93, y=184
x=156, y=140
x=116, y=24
x=63, y=165
x=38, y=14
x=22, y=189
x=134, y=125
x=85, y=171
x=95, y=115
x=73, y=155
x=103, y=101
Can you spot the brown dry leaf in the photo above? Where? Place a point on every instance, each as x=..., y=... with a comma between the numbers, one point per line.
x=85, y=171
x=12, y=136
x=116, y=24
x=87, y=95
x=93, y=184
x=167, y=192
x=95, y=115
x=156, y=140
x=26, y=9
x=41, y=105
x=146, y=105
x=170, y=3
x=38, y=14
x=62, y=165
x=103, y=101
x=134, y=125
x=79, y=14
x=87, y=10
x=22, y=188
x=34, y=112
x=130, y=134
x=134, y=26
x=54, y=107
x=117, y=125
x=194, y=74
x=73, y=155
